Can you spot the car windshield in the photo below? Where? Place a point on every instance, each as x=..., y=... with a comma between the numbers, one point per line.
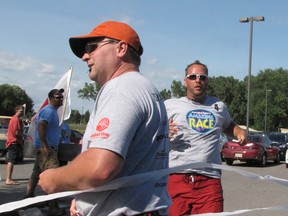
x=277, y=137
x=255, y=138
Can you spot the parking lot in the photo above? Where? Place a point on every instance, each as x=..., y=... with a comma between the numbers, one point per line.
x=240, y=192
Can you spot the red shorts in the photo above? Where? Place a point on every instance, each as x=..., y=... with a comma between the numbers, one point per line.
x=194, y=194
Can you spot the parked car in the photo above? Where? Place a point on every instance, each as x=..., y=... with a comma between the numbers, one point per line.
x=258, y=149
x=222, y=140
x=281, y=141
x=64, y=151
x=3, y=139
x=76, y=137
x=4, y=122
x=28, y=150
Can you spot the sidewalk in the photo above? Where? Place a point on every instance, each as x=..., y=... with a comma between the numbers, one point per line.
x=11, y=193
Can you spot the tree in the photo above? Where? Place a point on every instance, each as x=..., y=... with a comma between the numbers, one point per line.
x=165, y=94
x=178, y=90
x=232, y=92
x=75, y=117
x=86, y=117
x=11, y=96
x=89, y=91
x=277, y=100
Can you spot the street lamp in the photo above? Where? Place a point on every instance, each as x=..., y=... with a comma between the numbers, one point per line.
x=267, y=90
x=245, y=20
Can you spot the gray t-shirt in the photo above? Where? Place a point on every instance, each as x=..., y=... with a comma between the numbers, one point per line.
x=129, y=118
x=200, y=126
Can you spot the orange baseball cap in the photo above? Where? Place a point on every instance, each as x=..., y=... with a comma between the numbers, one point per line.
x=110, y=29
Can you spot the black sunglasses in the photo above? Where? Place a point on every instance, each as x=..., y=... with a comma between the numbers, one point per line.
x=91, y=47
x=202, y=77
x=58, y=98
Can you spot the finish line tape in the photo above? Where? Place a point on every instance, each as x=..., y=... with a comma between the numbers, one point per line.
x=134, y=180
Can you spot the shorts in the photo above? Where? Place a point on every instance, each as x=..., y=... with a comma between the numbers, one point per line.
x=43, y=163
x=194, y=194
x=13, y=153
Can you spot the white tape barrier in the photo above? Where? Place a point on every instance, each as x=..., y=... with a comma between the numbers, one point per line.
x=146, y=177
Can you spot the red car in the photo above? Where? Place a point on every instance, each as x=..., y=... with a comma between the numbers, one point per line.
x=258, y=149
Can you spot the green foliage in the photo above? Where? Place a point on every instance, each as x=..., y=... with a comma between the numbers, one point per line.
x=75, y=117
x=89, y=91
x=233, y=93
x=165, y=94
x=177, y=89
x=277, y=100
x=79, y=127
x=86, y=117
x=10, y=97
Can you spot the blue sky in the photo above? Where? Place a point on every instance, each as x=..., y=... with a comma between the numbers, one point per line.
x=35, y=53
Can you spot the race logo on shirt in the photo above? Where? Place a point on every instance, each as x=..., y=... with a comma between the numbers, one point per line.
x=101, y=126
x=200, y=120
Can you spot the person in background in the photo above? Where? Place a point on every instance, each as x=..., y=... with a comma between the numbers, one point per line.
x=65, y=133
x=127, y=133
x=14, y=144
x=196, y=122
x=46, y=144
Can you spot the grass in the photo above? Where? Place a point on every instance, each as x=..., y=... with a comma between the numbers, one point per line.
x=79, y=127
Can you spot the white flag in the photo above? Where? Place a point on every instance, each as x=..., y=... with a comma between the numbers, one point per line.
x=65, y=110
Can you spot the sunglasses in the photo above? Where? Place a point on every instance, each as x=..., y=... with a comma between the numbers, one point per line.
x=201, y=77
x=58, y=98
x=91, y=47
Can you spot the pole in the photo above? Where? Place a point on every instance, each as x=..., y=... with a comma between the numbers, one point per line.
x=245, y=20
x=249, y=75
x=266, y=108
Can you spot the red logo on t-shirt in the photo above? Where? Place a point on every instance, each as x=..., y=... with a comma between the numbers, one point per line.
x=103, y=124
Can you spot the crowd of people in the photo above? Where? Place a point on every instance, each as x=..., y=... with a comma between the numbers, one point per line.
x=132, y=131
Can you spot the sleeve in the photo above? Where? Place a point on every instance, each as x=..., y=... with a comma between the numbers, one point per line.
x=116, y=121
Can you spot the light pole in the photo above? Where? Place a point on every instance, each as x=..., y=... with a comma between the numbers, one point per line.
x=245, y=20
x=267, y=90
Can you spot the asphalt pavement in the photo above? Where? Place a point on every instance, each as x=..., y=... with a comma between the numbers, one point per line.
x=240, y=192
x=11, y=193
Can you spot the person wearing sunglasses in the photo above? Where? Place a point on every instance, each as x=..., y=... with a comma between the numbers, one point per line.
x=196, y=122
x=46, y=142
x=127, y=133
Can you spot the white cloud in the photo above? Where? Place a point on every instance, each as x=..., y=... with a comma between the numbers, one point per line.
x=13, y=62
x=152, y=61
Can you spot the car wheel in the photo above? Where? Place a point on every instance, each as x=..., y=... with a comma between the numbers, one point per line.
x=263, y=161
x=229, y=162
x=286, y=165
x=277, y=160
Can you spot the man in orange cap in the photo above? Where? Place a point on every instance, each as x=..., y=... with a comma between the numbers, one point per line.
x=127, y=133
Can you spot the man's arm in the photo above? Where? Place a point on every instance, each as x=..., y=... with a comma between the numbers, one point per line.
x=42, y=127
x=90, y=169
x=235, y=130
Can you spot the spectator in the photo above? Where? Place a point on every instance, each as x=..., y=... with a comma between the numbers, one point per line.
x=46, y=144
x=14, y=144
x=65, y=133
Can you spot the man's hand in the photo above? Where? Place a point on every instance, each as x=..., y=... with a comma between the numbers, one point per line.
x=173, y=129
x=46, y=181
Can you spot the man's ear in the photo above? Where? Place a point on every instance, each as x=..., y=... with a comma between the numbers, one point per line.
x=122, y=48
x=185, y=83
